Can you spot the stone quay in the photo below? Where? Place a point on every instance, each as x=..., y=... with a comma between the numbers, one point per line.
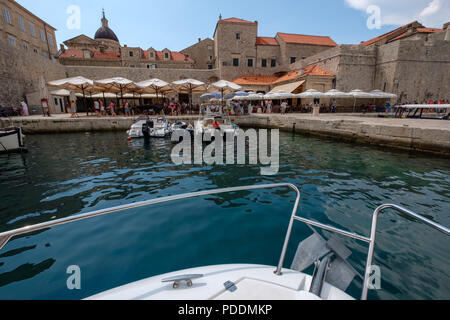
x=429, y=136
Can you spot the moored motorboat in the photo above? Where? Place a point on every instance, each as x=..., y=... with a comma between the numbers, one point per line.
x=161, y=128
x=210, y=126
x=144, y=127
x=12, y=140
x=179, y=129
x=139, y=129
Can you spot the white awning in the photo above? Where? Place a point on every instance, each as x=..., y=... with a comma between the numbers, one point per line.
x=289, y=87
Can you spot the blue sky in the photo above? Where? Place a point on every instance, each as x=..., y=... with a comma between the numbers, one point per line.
x=177, y=24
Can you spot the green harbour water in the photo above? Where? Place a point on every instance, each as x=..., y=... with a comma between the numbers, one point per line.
x=341, y=185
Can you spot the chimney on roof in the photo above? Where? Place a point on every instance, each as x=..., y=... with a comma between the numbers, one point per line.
x=411, y=30
x=199, y=39
x=62, y=48
x=220, y=17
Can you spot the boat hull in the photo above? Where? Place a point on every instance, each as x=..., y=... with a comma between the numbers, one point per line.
x=12, y=140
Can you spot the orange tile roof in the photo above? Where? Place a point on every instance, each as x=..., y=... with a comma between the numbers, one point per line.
x=314, y=70
x=78, y=54
x=289, y=76
x=429, y=30
x=419, y=30
x=383, y=36
x=237, y=20
x=266, y=41
x=293, y=75
x=305, y=39
x=174, y=56
x=177, y=56
x=72, y=53
x=106, y=55
x=255, y=80
x=111, y=55
x=401, y=35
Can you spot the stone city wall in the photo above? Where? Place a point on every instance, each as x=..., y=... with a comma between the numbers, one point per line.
x=413, y=69
x=20, y=71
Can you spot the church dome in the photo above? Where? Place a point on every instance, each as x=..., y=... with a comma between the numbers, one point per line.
x=104, y=32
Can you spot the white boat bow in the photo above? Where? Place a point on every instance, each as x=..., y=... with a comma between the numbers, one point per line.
x=225, y=282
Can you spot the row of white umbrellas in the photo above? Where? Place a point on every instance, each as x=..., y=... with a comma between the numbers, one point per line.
x=218, y=90
x=153, y=86
x=313, y=94
x=123, y=86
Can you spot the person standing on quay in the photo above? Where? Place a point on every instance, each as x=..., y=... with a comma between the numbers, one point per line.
x=269, y=107
x=97, y=108
x=45, y=107
x=73, y=109
x=127, y=109
x=111, y=109
x=102, y=108
x=25, y=111
x=284, y=107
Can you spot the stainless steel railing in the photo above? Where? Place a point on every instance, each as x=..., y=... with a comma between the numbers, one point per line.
x=370, y=241
x=6, y=236
x=376, y=214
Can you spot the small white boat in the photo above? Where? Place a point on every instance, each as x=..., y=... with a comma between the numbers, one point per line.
x=179, y=129
x=331, y=277
x=161, y=128
x=139, y=128
x=208, y=126
x=144, y=127
x=12, y=140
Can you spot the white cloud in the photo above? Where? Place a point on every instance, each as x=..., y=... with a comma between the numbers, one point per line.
x=432, y=8
x=431, y=13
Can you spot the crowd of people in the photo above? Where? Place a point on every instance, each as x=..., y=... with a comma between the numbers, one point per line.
x=173, y=107
x=15, y=111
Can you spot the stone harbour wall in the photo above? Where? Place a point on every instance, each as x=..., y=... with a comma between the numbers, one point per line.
x=431, y=136
x=406, y=136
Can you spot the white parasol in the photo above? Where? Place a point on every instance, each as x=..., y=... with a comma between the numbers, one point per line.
x=311, y=94
x=75, y=84
x=189, y=86
x=155, y=86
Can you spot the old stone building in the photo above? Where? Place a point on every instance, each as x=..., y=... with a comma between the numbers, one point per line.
x=27, y=49
x=236, y=50
x=411, y=61
x=202, y=53
x=105, y=51
x=24, y=30
x=240, y=51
